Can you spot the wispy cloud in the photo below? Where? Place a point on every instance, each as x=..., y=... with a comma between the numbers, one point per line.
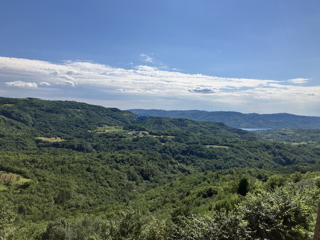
x=45, y=83
x=22, y=84
x=299, y=80
x=152, y=86
x=146, y=58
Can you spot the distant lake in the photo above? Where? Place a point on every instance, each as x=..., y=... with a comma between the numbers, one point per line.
x=255, y=129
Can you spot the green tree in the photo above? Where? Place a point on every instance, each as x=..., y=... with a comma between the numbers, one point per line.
x=275, y=181
x=243, y=187
x=7, y=217
x=282, y=214
x=296, y=177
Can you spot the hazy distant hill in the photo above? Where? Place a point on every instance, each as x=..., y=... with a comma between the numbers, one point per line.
x=239, y=120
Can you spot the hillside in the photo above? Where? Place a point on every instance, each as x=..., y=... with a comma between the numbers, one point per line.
x=61, y=117
x=293, y=136
x=239, y=120
x=76, y=169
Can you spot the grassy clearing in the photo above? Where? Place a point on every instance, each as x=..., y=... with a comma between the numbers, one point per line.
x=303, y=143
x=7, y=105
x=136, y=134
x=106, y=129
x=56, y=139
x=163, y=136
x=299, y=143
x=77, y=110
x=144, y=133
x=14, y=179
x=216, y=146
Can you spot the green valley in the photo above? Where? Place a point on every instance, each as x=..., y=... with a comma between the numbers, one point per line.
x=77, y=171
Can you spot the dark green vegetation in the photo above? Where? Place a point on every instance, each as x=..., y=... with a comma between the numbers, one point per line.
x=88, y=172
x=293, y=136
x=239, y=120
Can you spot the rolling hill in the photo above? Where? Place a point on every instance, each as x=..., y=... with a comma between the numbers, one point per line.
x=239, y=120
x=78, y=171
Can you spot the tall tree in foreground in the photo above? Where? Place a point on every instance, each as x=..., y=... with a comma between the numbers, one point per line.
x=317, y=228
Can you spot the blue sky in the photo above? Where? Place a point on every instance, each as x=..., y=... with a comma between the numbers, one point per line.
x=229, y=55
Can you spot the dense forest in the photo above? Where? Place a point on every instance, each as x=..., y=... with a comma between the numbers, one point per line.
x=237, y=119
x=293, y=136
x=72, y=170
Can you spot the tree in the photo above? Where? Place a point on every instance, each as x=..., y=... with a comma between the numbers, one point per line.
x=7, y=216
x=283, y=214
x=275, y=181
x=243, y=187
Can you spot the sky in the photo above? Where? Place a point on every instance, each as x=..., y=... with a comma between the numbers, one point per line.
x=214, y=55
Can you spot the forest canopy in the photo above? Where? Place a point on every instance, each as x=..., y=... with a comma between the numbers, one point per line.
x=72, y=170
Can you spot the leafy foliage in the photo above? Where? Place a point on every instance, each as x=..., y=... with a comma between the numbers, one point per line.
x=94, y=173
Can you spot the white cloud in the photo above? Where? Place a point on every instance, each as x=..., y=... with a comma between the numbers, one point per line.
x=67, y=80
x=22, y=84
x=145, y=78
x=298, y=80
x=146, y=58
x=45, y=83
x=100, y=81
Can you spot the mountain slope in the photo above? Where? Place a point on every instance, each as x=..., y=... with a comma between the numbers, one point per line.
x=67, y=119
x=239, y=120
x=61, y=117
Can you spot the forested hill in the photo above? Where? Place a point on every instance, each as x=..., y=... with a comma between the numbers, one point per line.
x=68, y=119
x=239, y=120
x=60, y=117
x=72, y=170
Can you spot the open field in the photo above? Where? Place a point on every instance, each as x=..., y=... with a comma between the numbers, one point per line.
x=14, y=179
x=57, y=139
x=106, y=129
x=216, y=146
x=299, y=143
x=144, y=133
x=7, y=105
x=161, y=136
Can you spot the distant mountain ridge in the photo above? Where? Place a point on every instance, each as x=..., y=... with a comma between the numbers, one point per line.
x=237, y=119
